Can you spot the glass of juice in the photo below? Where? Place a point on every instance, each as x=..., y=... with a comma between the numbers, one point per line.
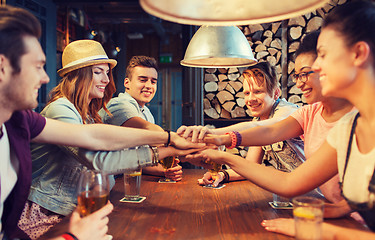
x=93, y=191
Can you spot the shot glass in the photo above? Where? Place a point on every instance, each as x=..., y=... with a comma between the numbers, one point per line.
x=132, y=185
x=308, y=217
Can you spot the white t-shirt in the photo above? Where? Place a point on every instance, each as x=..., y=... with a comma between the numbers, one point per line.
x=9, y=166
x=360, y=166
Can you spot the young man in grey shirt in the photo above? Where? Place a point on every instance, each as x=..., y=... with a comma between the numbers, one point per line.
x=129, y=109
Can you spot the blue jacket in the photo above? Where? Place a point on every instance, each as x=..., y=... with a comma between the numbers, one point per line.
x=56, y=169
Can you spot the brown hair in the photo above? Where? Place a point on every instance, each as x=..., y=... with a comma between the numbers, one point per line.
x=15, y=24
x=142, y=61
x=262, y=73
x=76, y=85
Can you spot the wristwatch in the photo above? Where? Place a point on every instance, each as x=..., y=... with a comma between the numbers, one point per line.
x=155, y=158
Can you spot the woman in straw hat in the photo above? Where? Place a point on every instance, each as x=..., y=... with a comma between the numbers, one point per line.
x=86, y=86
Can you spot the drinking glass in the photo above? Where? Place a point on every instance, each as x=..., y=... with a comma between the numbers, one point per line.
x=308, y=217
x=132, y=185
x=167, y=162
x=279, y=201
x=93, y=191
x=216, y=167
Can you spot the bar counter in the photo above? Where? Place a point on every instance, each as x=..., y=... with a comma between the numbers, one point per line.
x=185, y=210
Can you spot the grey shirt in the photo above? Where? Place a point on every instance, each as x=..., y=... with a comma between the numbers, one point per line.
x=123, y=108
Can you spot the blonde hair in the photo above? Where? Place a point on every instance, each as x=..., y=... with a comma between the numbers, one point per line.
x=262, y=73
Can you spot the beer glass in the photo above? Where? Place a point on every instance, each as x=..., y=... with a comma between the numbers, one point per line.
x=167, y=162
x=93, y=191
x=215, y=169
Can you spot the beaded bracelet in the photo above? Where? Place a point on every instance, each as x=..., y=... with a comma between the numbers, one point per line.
x=69, y=236
x=239, y=138
x=236, y=139
x=233, y=138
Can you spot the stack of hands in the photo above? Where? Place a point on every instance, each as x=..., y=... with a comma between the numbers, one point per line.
x=190, y=144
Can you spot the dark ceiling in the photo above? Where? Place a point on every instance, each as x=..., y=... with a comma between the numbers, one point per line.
x=125, y=15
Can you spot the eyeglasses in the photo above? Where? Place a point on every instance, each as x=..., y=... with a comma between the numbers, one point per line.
x=303, y=76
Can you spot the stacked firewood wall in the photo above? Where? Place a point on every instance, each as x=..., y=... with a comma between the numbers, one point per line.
x=273, y=42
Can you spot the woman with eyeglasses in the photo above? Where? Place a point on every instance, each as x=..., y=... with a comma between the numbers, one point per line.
x=346, y=65
x=312, y=121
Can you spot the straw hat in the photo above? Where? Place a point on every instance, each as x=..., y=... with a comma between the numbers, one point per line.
x=83, y=53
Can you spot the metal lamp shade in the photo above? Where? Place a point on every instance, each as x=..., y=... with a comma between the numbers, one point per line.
x=228, y=12
x=218, y=47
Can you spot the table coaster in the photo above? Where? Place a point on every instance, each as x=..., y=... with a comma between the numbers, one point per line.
x=137, y=200
x=220, y=186
x=163, y=181
x=290, y=206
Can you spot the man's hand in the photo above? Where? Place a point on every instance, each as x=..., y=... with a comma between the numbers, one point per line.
x=196, y=133
x=93, y=226
x=207, y=179
x=174, y=173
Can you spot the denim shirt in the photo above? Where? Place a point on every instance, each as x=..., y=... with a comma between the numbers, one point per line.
x=56, y=169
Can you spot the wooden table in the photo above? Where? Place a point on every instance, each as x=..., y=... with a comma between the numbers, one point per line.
x=185, y=210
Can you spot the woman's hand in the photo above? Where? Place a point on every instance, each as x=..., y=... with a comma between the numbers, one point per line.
x=173, y=151
x=336, y=210
x=280, y=225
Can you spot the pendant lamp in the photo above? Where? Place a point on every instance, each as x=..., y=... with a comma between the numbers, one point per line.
x=218, y=47
x=228, y=12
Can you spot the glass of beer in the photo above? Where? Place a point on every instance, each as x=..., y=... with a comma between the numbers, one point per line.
x=216, y=167
x=93, y=191
x=167, y=162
